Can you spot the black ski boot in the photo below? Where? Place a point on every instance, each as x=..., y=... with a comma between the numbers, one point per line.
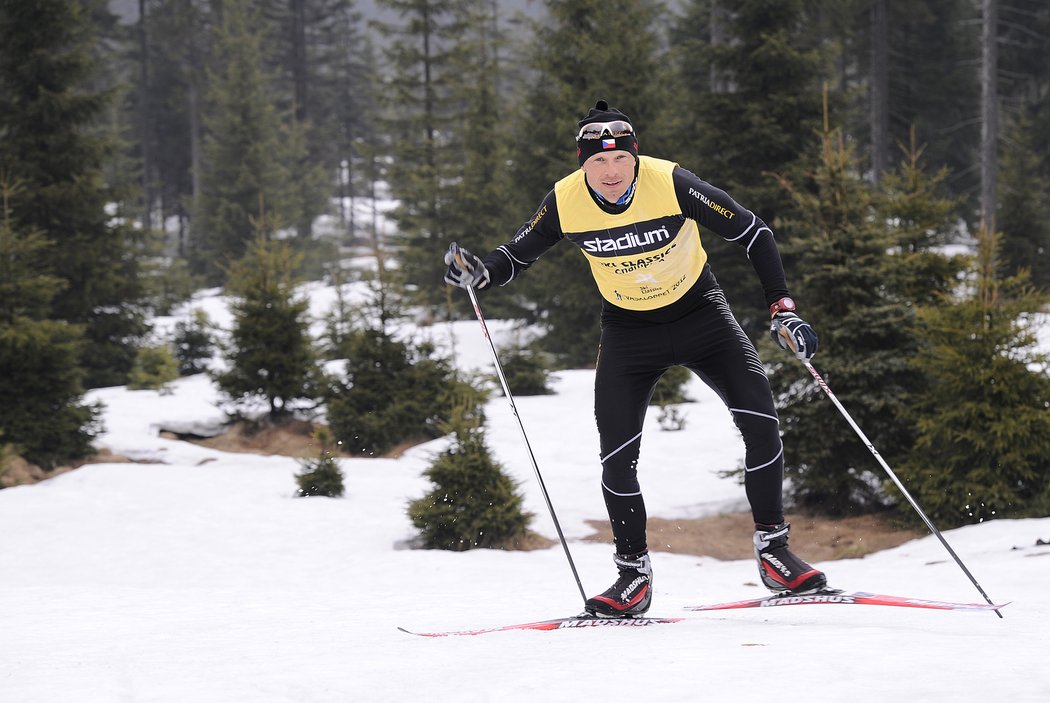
x=632, y=593
x=782, y=571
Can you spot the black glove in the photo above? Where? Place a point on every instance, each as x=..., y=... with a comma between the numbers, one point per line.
x=464, y=269
x=794, y=334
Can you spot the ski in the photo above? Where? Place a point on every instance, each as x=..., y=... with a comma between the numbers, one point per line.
x=831, y=596
x=576, y=622
x=828, y=596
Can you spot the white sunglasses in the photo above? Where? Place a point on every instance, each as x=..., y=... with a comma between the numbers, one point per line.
x=595, y=130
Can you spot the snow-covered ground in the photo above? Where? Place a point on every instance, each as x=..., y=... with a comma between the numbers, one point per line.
x=201, y=578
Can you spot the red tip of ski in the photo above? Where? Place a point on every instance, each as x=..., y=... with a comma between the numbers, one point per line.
x=833, y=597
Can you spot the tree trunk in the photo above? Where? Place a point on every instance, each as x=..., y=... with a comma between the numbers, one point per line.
x=194, y=71
x=879, y=88
x=299, y=68
x=989, y=113
x=145, y=117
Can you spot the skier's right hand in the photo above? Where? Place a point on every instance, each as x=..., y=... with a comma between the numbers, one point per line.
x=794, y=334
x=464, y=269
x=790, y=331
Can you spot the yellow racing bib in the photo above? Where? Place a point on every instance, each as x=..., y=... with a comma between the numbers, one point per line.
x=644, y=258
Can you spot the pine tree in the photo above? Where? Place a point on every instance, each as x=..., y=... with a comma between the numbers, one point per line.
x=419, y=116
x=754, y=103
x=909, y=67
x=473, y=504
x=359, y=143
x=48, y=423
x=307, y=194
x=194, y=343
x=752, y=115
x=320, y=64
x=919, y=213
x=846, y=287
x=983, y=447
x=935, y=87
x=38, y=364
x=270, y=352
x=321, y=476
x=390, y=392
x=1024, y=209
x=481, y=149
x=155, y=368
x=526, y=371
x=179, y=32
x=26, y=287
x=668, y=395
x=244, y=175
x=298, y=27
x=362, y=146
x=46, y=72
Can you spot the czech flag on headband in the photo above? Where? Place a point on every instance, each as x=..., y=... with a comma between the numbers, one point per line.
x=608, y=144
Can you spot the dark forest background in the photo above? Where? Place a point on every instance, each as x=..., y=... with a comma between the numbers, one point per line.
x=901, y=152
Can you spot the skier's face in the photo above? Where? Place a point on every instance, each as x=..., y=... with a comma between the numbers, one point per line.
x=610, y=173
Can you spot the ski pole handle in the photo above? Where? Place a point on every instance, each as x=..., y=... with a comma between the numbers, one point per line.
x=789, y=340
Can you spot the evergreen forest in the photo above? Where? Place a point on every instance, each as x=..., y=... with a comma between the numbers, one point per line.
x=900, y=152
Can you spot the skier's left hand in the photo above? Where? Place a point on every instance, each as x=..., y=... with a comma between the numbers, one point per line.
x=794, y=334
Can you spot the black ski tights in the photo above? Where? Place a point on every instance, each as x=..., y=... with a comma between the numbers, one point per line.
x=632, y=357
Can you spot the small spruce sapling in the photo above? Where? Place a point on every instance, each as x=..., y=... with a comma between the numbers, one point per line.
x=154, y=369
x=473, y=502
x=194, y=343
x=321, y=476
x=527, y=372
x=669, y=394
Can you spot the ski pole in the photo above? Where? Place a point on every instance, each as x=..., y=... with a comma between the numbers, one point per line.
x=893, y=477
x=525, y=438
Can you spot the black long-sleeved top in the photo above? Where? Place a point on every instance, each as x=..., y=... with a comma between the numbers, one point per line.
x=646, y=255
